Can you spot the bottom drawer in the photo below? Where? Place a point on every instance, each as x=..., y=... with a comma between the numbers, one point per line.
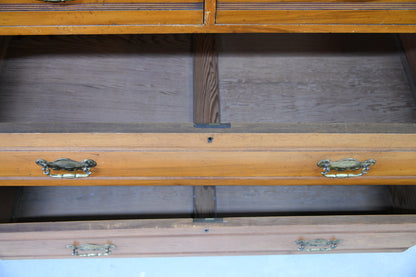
x=48, y=222
x=232, y=236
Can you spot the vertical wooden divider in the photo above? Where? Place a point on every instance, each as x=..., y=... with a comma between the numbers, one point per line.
x=403, y=198
x=206, y=110
x=7, y=194
x=210, y=10
x=408, y=43
x=206, y=95
x=4, y=43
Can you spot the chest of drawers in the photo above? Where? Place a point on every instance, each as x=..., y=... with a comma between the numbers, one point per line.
x=210, y=110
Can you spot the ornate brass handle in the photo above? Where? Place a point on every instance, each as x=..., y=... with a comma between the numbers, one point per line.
x=317, y=245
x=68, y=165
x=93, y=249
x=55, y=1
x=345, y=164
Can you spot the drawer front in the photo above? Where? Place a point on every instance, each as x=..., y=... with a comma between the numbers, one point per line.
x=229, y=159
x=380, y=12
x=89, y=12
x=234, y=236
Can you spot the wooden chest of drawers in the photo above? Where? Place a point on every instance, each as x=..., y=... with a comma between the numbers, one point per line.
x=194, y=16
x=205, y=110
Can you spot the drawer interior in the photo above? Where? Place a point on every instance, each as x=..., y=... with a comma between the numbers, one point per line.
x=97, y=79
x=262, y=78
x=32, y=204
x=328, y=78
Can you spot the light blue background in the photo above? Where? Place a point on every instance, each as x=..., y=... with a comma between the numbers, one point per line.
x=351, y=265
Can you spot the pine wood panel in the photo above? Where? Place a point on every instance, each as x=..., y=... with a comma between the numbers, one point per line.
x=315, y=12
x=101, y=18
x=245, y=139
x=34, y=13
x=101, y=2
x=176, y=159
x=218, y=28
x=272, y=235
x=251, y=163
x=379, y=2
x=316, y=17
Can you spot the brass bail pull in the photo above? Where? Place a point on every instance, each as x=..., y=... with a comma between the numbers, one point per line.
x=67, y=165
x=317, y=245
x=93, y=250
x=55, y=1
x=345, y=164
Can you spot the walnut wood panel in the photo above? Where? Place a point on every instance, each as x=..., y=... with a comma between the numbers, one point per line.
x=4, y=43
x=403, y=198
x=235, y=236
x=408, y=43
x=7, y=203
x=205, y=204
x=206, y=94
x=227, y=160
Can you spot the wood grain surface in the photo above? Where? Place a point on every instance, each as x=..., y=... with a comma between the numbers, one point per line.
x=200, y=28
x=275, y=12
x=8, y=198
x=235, y=236
x=263, y=200
x=97, y=79
x=206, y=95
x=189, y=159
x=70, y=203
x=152, y=17
x=59, y=203
x=313, y=78
x=4, y=44
x=408, y=43
x=191, y=16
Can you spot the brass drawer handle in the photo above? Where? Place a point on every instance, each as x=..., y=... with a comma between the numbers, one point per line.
x=345, y=164
x=93, y=249
x=55, y=1
x=68, y=165
x=318, y=245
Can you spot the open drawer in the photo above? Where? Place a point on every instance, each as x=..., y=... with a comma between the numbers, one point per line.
x=339, y=15
x=52, y=222
x=93, y=16
x=275, y=109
